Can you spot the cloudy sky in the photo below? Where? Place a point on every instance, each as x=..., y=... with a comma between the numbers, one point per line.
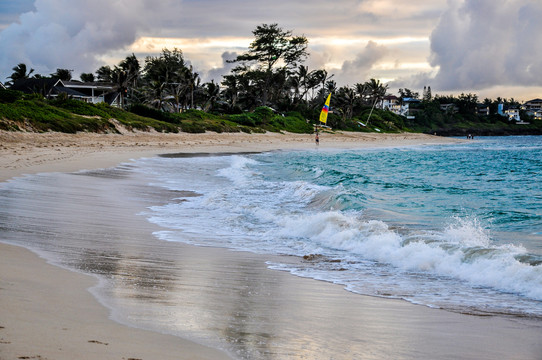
x=488, y=47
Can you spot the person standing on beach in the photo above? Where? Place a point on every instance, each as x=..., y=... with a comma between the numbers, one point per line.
x=317, y=138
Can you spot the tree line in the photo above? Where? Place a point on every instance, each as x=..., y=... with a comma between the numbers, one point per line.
x=271, y=73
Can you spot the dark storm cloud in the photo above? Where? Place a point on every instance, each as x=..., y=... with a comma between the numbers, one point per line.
x=74, y=34
x=483, y=43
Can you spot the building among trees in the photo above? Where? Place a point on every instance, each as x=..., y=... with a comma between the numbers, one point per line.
x=50, y=88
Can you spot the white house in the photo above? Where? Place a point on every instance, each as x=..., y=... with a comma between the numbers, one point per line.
x=513, y=114
x=533, y=108
x=93, y=92
x=89, y=92
x=534, y=104
x=393, y=104
x=389, y=102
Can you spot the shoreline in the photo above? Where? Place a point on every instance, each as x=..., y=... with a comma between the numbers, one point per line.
x=29, y=153
x=48, y=312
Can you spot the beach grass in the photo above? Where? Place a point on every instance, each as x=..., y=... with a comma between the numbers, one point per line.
x=37, y=114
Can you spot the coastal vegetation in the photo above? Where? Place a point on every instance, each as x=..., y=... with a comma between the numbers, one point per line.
x=268, y=89
x=19, y=111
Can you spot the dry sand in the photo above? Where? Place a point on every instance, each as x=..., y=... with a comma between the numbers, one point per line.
x=46, y=312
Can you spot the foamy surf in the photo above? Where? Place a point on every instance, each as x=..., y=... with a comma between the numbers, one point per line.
x=416, y=224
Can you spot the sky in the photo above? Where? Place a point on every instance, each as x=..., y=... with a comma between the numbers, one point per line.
x=491, y=48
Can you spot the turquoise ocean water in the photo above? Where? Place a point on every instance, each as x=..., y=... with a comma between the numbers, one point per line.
x=457, y=227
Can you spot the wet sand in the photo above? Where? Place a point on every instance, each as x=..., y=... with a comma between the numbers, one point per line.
x=47, y=312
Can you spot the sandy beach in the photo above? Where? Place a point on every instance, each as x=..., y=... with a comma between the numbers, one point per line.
x=27, y=153
x=48, y=312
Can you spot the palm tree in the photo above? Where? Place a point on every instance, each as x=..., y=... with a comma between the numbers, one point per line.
x=212, y=92
x=345, y=102
x=133, y=72
x=87, y=77
x=20, y=72
x=314, y=79
x=193, y=81
x=330, y=86
x=104, y=74
x=231, y=90
x=377, y=91
x=298, y=80
x=294, y=85
x=154, y=93
x=363, y=92
x=132, y=67
x=278, y=87
x=62, y=74
x=120, y=78
x=302, y=75
x=177, y=88
x=165, y=77
x=116, y=76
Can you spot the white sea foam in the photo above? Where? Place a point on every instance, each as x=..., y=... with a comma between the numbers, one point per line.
x=244, y=207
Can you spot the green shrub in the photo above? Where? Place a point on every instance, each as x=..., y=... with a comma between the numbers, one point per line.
x=213, y=126
x=295, y=123
x=78, y=107
x=263, y=114
x=193, y=114
x=192, y=127
x=10, y=96
x=245, y=119
x=245, y=129
x=142, y=110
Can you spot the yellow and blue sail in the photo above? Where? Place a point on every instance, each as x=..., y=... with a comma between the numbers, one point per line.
x=325, y=110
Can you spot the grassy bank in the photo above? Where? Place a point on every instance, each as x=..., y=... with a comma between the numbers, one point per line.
x=34, y=113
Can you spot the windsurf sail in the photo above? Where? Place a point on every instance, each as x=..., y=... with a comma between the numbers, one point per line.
x=325, y=110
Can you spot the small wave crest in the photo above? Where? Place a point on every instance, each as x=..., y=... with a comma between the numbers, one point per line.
x=463, y=250
x=238, y=172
